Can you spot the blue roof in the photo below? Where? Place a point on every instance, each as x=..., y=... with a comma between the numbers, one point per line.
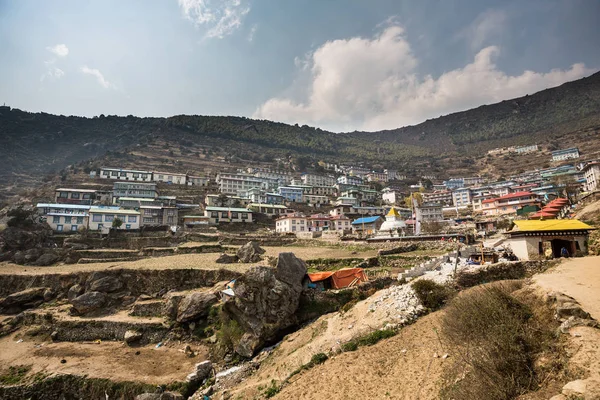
x=365, y=220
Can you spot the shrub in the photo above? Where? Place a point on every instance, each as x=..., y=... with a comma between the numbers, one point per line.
x=272, y=390
x=14, y=375
x=350, y=346
x=432, y=295
x=497, y=339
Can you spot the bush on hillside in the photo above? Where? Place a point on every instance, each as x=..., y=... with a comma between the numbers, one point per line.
x=497, y=339
x=431, y=294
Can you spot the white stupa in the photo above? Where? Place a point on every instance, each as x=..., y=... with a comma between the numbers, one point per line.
x=393, y=222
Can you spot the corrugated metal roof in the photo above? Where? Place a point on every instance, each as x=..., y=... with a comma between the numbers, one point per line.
x=65, y=206
x=365, y=220
x=228, y=209
x=551, y=225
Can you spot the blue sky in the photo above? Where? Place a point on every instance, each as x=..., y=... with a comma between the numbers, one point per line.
x=339, y=64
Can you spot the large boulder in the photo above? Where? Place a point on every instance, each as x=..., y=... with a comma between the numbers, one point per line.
x=266, y=301
x=195, y=306
x=159, y=396
x=46, y=259
x=31, y=255
x=19, y=301
x=202, y=371
x=16, y=238
x=74, y=291
x=227, y=259
x=250, y=252
x=88, y=302
x=107, y=284
x=290, y=269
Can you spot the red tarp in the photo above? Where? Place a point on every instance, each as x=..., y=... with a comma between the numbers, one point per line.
x=342, y=278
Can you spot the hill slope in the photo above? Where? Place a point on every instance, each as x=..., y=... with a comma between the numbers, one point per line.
x=34, y=144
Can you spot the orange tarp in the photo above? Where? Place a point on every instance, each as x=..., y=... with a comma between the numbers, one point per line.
x=342, y=278
x=348, y=277
x=319, y=276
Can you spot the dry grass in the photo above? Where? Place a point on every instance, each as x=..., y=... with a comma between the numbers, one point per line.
x=498, y=332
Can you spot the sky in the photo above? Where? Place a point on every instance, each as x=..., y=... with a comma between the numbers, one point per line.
x=341, y=65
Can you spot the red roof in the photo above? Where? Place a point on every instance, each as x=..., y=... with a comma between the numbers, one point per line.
x=509, y=196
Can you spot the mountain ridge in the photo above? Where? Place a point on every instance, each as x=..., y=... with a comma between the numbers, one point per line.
x=34, y=144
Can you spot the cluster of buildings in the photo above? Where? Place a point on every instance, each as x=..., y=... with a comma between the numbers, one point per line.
x=349, y=200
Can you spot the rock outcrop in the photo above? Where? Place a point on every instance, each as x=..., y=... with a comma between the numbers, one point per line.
x=195, y=306
x=17, y=302
x=250, y=252
x=266, y=301
x=227, y=259
x=88, y=302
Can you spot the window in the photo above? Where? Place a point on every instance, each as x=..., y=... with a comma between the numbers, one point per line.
x=244, y=215
x=55, y=219
x=63, y=195
x=136, y=175
x=68, y=220
x=74, y=228
x=74, y=195
x=87, y=196
x=97, y=218
x=127, y=226
x=224, y=214
x=105, y=173
x=148, y=220
x=293, y=229
x=100, y=227
x=79, y=220
x=234, y=215
x=109, y=218
x=132, y=218
x=114, y=173
x=170, y=212
x=122, y=173
x=147, y=212
x=169, y=220
x=214, y=214
x=59, y=228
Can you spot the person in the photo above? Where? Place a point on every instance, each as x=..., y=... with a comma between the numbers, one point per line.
x=548, y=253
x=564, y=252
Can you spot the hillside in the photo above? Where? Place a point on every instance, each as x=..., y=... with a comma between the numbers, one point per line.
x=35, y=144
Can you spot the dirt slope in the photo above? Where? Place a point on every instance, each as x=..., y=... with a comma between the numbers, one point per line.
x=578, y=278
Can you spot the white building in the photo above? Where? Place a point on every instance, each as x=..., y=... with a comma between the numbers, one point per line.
x=102, y=218
x=429, y=212
x=125, y=174
x=193, y=180
x=228, y=214
x=592, y=176
x=65, y=217
x=314, y=199
x=350, y=180
x=317, y=180
x=237, y=184
x=377, y=177
x=392, y=197
x=526, y=149
x=461, y=197
x=169, y=177
x=292, y=223
x=566, y=154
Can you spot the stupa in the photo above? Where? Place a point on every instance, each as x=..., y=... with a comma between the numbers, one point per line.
x=392, y=223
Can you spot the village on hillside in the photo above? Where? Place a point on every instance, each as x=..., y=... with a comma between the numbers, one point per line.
x=340, y=203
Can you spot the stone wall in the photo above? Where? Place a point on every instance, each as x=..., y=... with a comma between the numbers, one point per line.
x=138, y=281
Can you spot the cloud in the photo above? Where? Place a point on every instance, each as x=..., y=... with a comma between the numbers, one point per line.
x=252, y=32
x=99, y=77
x=373, y=84
x=221, y=17
x=53, y=73
x=60, y=50
x=488, y=26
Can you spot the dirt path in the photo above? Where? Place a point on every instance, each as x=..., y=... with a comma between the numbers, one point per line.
x=111, y=360
x=185, y=261
x=578, y=278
